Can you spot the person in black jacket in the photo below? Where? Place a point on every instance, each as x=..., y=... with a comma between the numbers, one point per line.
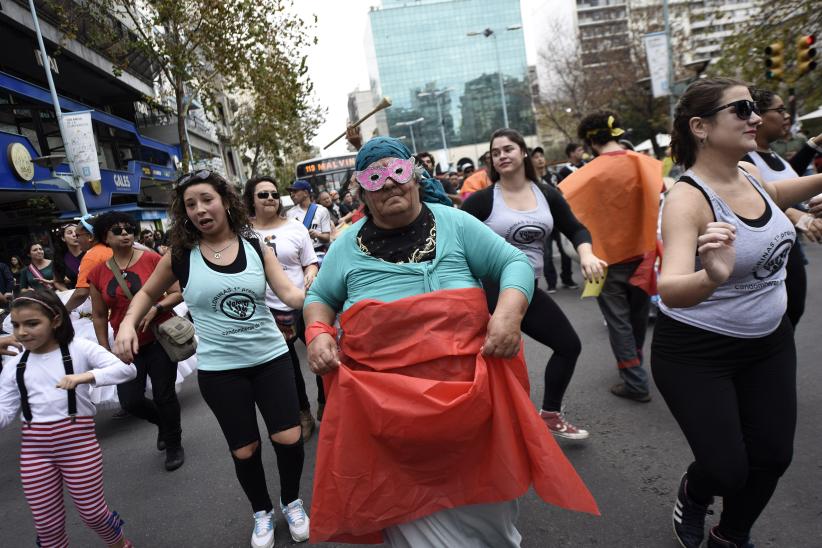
x=525, y=214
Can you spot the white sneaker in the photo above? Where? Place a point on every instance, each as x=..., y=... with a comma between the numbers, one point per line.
x=263, y=534
x=297, y=520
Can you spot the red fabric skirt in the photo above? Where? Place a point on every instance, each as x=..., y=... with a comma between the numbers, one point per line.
x=417, y=420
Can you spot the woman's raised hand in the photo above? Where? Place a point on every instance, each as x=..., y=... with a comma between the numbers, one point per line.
x=716, y=251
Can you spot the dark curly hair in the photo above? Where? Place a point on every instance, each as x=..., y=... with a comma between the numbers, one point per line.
x=51, y=305
x=184, y=235
x=103, y=223
x=251, y=188
x=763, y=98
x=516, y=137
x=699, y=98
x=594, y=130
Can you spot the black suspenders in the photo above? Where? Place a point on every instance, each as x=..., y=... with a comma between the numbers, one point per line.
x=68, y=365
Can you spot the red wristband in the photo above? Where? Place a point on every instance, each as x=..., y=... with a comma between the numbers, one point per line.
x=318, y=328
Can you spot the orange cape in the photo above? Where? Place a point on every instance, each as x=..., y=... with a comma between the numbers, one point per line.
x=616, y=197
x=417, y=420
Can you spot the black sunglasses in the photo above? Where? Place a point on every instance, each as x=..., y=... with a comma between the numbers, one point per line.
x=202, y=175
x=119, y=230
x=264, y=194
x=743, y=109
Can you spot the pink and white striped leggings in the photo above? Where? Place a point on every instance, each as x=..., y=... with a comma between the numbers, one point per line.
x=61, y=453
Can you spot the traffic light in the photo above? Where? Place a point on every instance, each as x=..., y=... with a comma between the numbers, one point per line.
x=805, y=52
x=775, y=61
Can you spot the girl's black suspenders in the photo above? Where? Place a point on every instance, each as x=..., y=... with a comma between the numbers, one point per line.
x=24, y=393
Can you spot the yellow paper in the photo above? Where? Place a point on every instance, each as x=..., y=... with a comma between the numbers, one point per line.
x=593, y=289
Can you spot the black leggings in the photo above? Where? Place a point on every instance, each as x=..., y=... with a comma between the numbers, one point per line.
x=735, y=400
x=232, y=396
x=164, y=411
x=545, y=322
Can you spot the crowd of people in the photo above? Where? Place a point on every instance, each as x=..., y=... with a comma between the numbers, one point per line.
x=410, y=291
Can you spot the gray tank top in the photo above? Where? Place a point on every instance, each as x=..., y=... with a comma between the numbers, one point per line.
x=525, y=230
x=753, y=300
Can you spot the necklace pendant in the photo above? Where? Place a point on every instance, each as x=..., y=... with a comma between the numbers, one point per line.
x=217, y=256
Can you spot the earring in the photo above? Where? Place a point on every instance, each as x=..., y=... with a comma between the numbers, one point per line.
x=228, y=211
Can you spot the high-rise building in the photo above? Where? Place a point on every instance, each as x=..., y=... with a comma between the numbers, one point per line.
x=441, y=60
x=604, y=34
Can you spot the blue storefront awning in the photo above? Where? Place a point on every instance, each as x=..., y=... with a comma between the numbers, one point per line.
x=36, y=93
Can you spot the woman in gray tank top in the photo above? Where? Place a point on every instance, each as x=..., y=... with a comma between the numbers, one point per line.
x=722, y=339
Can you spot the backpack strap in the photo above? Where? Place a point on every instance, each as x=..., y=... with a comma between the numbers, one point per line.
x=21, y=386
x=118, y=275
x=68, y=365
x=309, y=216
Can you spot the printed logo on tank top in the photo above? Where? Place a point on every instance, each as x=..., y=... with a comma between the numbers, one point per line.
x=527, y=234
x=771, y=261
x=236, y=303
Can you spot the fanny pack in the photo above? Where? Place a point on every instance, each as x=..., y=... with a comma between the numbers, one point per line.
x=175, y=335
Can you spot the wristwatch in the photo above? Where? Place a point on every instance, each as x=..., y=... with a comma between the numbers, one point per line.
x=160, y=308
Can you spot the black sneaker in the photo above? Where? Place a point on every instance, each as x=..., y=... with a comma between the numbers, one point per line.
x=175, y=457
x=715, y=541
x=689, y=517
x=161, y=440
x=623, y=391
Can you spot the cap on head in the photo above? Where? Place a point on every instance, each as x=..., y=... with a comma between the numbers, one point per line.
x=537, y=150
x=300, y=184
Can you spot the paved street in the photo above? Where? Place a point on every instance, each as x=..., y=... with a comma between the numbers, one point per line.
x=631, y=463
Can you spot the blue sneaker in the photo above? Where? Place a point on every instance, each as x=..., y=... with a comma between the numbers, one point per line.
x=263, y=534
x=297, y=520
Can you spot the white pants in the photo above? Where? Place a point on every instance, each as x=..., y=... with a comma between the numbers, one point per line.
x=472, y=526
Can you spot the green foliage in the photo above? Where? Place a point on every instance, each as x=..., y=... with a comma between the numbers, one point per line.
x=780, y=20
x=201, y=49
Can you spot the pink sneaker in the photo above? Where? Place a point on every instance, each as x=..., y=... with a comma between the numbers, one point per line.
x=558, y=426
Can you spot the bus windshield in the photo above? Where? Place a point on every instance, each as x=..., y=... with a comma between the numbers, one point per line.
x=330, y=173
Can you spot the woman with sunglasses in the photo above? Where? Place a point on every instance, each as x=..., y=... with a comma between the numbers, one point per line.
x=243, y=361
x=293, y=247
x=525, y=215
x=109, y=304
x=772, y=167
x=723, y=352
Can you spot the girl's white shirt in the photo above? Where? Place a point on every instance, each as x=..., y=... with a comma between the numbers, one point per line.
x=43, y=372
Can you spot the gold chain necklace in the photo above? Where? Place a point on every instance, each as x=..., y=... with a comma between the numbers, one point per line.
x=217, y=253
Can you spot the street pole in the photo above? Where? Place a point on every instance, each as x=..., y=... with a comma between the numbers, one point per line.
x=78, y=185
x=413, y=143
x=671, y=97
x=501, y=82
x=442, y=122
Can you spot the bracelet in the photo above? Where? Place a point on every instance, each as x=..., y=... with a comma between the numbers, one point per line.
x=814, y=146
x=318, y=328
x=160, y=308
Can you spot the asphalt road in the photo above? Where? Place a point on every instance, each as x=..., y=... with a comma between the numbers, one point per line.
x=632, y=463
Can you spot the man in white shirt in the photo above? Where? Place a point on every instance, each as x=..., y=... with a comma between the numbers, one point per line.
x=312, y=215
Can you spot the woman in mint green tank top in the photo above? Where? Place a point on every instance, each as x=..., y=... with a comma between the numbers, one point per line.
x=243, y=359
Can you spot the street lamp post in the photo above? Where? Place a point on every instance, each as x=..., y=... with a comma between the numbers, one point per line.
x=491, y=33
x=75, y=181
x=436, y=94
x=410, y=124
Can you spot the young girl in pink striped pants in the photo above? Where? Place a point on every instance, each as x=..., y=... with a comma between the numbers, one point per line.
x=48, y=382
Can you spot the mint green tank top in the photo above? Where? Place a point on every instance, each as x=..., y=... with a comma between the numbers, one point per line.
x=234, y=327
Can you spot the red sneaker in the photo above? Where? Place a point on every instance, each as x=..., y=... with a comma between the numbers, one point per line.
x=558, y=426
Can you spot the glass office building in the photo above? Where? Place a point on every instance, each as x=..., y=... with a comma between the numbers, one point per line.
x=422, y=57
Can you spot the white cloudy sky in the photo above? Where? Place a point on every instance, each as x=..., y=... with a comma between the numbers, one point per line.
x=337, y=63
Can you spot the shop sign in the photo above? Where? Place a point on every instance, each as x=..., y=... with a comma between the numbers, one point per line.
x=20, y=162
